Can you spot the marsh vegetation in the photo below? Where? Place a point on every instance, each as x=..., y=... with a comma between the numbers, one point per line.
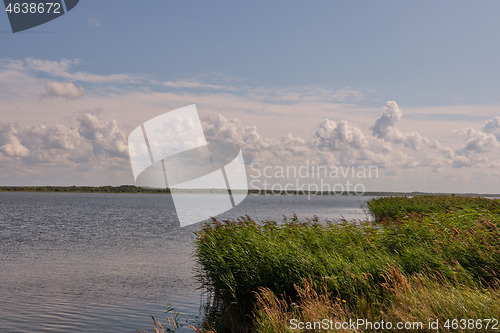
x=425, y=257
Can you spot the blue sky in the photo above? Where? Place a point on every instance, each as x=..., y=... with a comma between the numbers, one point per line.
x=422, y=53
x=280, y=66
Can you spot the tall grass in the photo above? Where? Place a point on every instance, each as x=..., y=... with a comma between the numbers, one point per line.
x=393, y=208
x=417, y=299
x=446, y=243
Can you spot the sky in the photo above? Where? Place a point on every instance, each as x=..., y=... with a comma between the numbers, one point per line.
x=408, y=87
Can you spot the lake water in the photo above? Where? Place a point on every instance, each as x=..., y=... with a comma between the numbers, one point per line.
x=76, y=262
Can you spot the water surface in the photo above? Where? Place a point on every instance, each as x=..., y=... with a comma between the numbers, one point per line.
x=104, y=262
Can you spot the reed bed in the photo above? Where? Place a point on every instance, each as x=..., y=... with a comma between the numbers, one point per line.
x=436, y=246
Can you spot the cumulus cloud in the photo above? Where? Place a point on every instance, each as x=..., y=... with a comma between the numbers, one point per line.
x=104, y=136
x=332, y=142
x=10, y=145
x=96, y=144
x=94, y=140
x=479, y=145
x=412, y=140
x=349, y=135
x=492, y=126
x=461, y=161
x=255, y=147
x=334, y=136
x=385, y=128
x=479, y=141
x=336, y=142
x=448, y=153
x=63, y=89
x=387, y=120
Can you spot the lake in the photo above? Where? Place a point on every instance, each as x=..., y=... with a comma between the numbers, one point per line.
x=82, y=262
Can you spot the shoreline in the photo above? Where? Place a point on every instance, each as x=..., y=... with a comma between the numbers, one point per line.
x=135, y=189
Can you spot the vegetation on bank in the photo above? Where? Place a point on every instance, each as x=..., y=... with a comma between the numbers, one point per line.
x=425, y=257
x=137, y=189
x=83, y=189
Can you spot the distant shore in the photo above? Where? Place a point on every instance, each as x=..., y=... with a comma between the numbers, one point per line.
x=135, y=189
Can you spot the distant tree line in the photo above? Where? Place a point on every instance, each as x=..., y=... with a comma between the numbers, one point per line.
x=135, y=189
x=83, y=189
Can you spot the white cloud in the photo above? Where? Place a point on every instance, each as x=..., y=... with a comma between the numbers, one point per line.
x=62, y=69
x=385, y=128
x=387, y=120
x=332, y=136
x=447, y=153
x=10, y=145
x=274, y=125
x=54, y=68
x=332, y=142
x=479, y=141
x=92, y=141
x=94, y=22
x=492, y=126
x=63, y=89
x=461, y=161
x=255, y=147
x=105, y=137
x=194, y=84
x=479, y=146
x=274, y=95
x=94, y=147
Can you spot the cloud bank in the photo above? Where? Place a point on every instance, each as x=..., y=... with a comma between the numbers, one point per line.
x=324, y=125
x=95, y=144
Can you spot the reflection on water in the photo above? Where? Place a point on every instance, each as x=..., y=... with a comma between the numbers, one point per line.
x=104, y=262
